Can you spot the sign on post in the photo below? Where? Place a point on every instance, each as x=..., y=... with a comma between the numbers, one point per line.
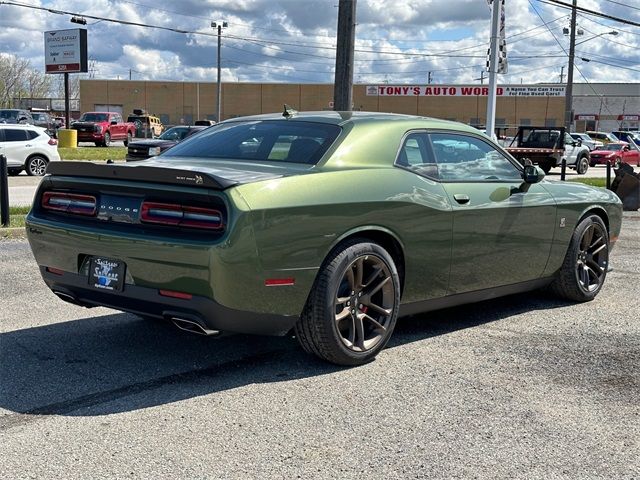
x=65, y=51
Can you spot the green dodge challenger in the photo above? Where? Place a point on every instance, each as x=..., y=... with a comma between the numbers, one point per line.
x=327, y=224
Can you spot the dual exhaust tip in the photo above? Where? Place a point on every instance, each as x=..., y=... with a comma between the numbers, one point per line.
x=185, y=324
x=193, y=327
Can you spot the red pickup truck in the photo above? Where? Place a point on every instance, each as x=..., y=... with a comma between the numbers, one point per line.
x=103, y=127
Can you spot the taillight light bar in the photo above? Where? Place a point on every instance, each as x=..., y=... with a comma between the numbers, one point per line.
x=69, y=203
x=181, y=215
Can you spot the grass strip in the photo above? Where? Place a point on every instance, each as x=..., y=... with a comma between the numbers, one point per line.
x=594, y=182
x=93, y=153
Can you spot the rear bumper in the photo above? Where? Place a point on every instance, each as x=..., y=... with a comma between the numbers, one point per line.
x=75, y=289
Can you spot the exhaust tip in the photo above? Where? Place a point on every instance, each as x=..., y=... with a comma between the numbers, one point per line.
x=193, y=327
x=65, y=296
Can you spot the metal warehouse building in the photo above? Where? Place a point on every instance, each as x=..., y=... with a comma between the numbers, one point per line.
x=185, y=102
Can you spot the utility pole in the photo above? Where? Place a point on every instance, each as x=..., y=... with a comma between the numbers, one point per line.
x=493, y=69
x=219, y=26
x=343, y=82
x=561, y=73
x=429, y=79
x=481, y=77
x=568, y=98
x=129, y=74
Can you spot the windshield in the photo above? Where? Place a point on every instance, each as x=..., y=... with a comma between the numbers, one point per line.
x=174, y=133
x=267, y=140
x=612, y=146
x=94, y=117
x=8, y=113
x=38, y=116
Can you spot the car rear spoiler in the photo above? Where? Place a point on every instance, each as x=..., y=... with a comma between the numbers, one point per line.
x=172, y=176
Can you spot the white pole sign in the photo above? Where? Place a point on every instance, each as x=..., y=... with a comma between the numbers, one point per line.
x=65, y=51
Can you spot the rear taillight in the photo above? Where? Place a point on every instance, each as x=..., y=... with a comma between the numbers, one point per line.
x=52, y=141
x=181, y=215
x=69, y=203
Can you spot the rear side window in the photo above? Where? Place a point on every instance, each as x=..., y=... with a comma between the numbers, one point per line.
x=15, y=135
x=267, y=140
x=31, y=134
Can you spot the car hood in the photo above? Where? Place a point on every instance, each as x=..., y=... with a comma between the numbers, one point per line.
x=152, y=143
x=604, y=152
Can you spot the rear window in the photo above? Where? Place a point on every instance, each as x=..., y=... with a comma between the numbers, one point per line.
x=270, y=140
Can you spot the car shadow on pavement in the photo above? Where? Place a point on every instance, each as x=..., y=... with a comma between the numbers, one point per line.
x=118, y=363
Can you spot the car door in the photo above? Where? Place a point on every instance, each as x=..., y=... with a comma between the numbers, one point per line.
x=570, y=150
x=502, y=228
x=16, y=146
x=631, y=154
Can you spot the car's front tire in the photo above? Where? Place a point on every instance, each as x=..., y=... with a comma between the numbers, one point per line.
x=585, y=265
x=582, y=165
x=353, y=306
x=107, y=139
x=36, y=165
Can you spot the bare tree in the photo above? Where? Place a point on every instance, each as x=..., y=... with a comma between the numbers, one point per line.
x=74, y=86
x=13, y=71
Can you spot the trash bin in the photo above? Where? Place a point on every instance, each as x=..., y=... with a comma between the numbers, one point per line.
x=67, y=138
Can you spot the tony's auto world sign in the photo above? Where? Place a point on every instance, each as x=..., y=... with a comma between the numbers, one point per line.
x=65, y=51
x=464, y=91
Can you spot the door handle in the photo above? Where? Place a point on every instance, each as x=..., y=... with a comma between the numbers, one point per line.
x=461, y=198
x=28, y=145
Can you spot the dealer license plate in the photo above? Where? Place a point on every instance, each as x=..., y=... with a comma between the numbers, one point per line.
x=106, y=274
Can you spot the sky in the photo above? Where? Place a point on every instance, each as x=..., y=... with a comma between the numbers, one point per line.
x=293, y=41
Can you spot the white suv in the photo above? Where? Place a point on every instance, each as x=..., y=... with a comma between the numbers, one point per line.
x=27, y=147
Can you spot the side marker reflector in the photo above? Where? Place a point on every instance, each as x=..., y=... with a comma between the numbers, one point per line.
x=279, y=282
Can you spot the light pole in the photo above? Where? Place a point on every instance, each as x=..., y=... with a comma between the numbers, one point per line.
x=219, y=26
x=568, y=109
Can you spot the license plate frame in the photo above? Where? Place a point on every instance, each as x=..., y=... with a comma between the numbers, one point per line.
x=107, y=274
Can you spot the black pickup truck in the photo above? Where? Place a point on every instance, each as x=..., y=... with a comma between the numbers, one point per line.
x=547, y=147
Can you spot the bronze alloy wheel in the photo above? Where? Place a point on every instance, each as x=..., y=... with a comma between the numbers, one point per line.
x=364, y=303
x=592, y=258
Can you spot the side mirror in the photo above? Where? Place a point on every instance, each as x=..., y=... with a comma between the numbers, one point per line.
x=532, y=174
x=113, y=122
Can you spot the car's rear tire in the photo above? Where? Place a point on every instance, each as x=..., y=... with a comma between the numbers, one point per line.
x=36, y=165
x=585, y=265
x=106, y=140
x=582, y=165
x=617, y=162
x=545, y=166
x=129, y=138
x=353, y=306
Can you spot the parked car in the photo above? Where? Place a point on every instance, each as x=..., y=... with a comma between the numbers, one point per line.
x=147, y=126
x=604, y=137
x=616, y=153
x=628, y=136
x=27, y=147
x=333, y=227
x=586, y=140
x=15, y=115
x=46, y=121
x=103, y=127
x=143, y=149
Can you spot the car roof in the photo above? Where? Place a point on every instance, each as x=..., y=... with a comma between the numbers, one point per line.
x=345, y=118
x=22, y=126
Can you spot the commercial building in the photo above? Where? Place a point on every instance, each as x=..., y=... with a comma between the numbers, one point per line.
x=185, y=102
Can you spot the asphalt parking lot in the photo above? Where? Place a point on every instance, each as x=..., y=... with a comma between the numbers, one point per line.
x=521, y=387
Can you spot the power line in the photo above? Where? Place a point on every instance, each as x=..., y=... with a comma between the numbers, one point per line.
x=622, y=4
x=590, y=12
x=585, y=17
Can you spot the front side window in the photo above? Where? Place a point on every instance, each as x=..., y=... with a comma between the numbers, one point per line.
x=267, y=140
x=466, y=158
x=94, y=117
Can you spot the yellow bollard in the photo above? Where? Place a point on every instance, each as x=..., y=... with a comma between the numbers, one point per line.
x=67, y=138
